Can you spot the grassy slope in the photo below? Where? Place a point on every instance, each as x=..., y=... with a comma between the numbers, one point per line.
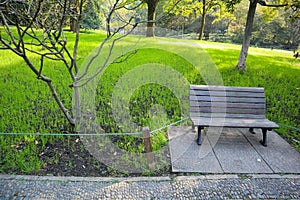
x=27, y=105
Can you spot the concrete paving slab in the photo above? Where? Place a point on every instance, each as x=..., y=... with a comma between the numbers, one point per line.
x=237, y=155
x=232, y=151
x=187, y=156
x=279, y=154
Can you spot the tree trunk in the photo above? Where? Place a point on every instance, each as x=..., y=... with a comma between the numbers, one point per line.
x=74, y=17
x=73, y=25
x=152, y=5
x=202, y=20
x=247, y=36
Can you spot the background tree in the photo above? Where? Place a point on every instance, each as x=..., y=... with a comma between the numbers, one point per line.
x=151, y=7
x=272, y=27
x=210, y=5
x=269, y=28
x=249, y=25
x=194, y=9
x=74, y=7
x=91, y=15
x=294, y=6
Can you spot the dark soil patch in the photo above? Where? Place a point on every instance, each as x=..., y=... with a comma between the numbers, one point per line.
x=68, y=157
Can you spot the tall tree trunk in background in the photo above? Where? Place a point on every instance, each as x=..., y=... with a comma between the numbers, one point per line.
x=73, y=18
x=73, y=25
x=152, y=5
x=202, y=20
x=247, y=37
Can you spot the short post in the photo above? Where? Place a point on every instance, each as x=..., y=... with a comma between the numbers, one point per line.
x=148, y=147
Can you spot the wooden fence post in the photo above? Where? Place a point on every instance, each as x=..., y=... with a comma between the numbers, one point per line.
x=148, y=147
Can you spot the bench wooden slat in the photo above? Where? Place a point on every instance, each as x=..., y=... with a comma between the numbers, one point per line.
x=227, y=105
x=227, y=94
x=233, y=122
x=226, y=115
x=227, y=99
x=248, y=110
x=226, y=88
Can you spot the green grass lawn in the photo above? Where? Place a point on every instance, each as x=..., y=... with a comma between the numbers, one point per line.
x=28, y=107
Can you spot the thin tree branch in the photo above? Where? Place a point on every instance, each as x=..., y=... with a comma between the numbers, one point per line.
x=74, y=62
x=108, y=19
x=7, y=28
x=106, y=63
x=264, y=3
x=10, y=47
x=102, y=45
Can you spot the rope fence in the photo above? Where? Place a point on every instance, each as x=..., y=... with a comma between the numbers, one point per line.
x=145, y=133
x=291, y=127
x=121, y=134
x=117, y=134
x=288, y=126
x=71, y=134
x=94, y=134
x=167, y=126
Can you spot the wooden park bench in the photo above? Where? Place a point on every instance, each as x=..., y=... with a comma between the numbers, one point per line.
x=234, y=107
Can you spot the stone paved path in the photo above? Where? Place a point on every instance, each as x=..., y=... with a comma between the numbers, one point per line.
x=182, y=187
x=231, y=151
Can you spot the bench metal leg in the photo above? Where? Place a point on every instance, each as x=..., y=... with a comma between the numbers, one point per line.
x=264, y=140
x=251, y=130
x=199, y=142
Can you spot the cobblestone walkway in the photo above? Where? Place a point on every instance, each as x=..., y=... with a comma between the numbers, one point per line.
x=181, y=187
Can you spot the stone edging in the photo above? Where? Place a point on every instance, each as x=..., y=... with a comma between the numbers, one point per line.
x=146, y=179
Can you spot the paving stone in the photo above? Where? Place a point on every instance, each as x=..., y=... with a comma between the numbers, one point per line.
x=187, y=156
x=279, y=154
x=237, y=155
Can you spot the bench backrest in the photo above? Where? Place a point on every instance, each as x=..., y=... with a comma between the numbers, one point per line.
x=230, y=102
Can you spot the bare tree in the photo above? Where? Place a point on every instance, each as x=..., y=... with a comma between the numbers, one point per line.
x=32, y=25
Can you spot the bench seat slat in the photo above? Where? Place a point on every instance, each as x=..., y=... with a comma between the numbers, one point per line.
x=233, y=122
